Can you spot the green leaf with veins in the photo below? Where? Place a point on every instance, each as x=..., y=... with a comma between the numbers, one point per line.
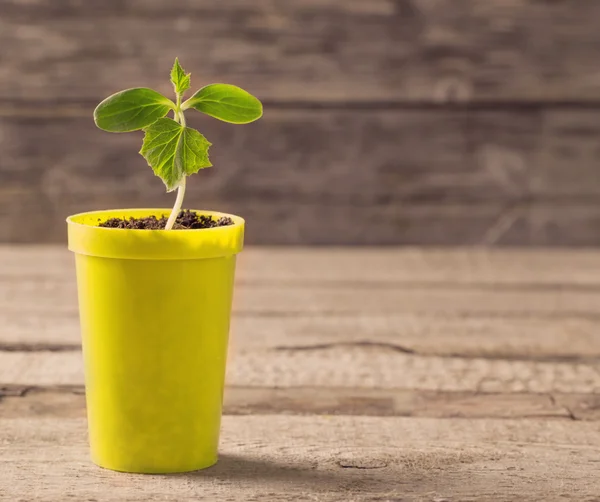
x=174, y=151
x=226, y=102
x=131, y=110
x=179, y=78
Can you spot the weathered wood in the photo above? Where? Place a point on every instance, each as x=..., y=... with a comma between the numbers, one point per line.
x=269, y=299
x=575, y=224
x=448, y=335
x=69, y=402
x=329, y=459
x=329, y=176
x=525, y=269
x=326, y=50
x=350, y=366
x=559, y=339
x=468, y=334
x=567, y=166
x=353, y=148
x=321, y=177
x=517, y=305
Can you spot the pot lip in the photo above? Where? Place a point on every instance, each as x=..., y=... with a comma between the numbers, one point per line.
x=71, y=220
x=85, y=237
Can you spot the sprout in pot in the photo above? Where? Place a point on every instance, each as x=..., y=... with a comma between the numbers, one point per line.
x=173, y=150
x=155, y=306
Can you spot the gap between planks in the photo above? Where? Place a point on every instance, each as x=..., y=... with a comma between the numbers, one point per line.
x=532, y=338
x=577, y=358
x=348, y=367
x=20, y=401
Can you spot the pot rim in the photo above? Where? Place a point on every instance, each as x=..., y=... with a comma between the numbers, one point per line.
x=87, y=238
x=72, y=219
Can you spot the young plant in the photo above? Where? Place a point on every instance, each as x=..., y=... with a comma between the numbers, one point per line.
x=172, y=149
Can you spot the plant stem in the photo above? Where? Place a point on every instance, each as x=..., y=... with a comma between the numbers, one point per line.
x=177, y=206
x=179, y=117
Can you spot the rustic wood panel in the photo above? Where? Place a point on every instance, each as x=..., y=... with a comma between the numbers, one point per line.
x=569, y=155
x=253, y=300
x=512, y=417
x=325, y=50
x=322, y=266
x=535, y=332
x=358, y=144
x=449, y=335
x=320, y=177
x=517, y=305
x=329, y=176
x=69, y=402
x=573, y=224
x=565, y=339
x=283, y=458
x=349, y=366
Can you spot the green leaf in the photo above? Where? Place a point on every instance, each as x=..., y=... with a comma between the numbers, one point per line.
x=131, y=110
x=226, y=102
x=179, y=79
x=174, y=151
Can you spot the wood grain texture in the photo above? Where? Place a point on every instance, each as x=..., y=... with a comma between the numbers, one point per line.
x=497, y=322
x=323, y=458
x=568, y=156
x=432, y=177
x=388, y=121
x=19, y=401
x=331, y=298
x=543, y=339
x=342, y=365
x=269, y=299
x=526, y=269
x=429, y=375
x=326, y=50
x=297, y=176
x=516, y=305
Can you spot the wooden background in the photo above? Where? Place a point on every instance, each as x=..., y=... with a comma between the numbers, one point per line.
x=387, y=121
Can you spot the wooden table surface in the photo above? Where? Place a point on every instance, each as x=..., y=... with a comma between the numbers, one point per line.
x=354, y=374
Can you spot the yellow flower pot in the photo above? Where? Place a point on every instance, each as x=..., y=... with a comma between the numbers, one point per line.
x=154, y=308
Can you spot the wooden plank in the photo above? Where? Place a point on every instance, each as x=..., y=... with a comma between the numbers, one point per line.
x=321, y=177
x=69, y=402
x=519, y=305
x=329, y=459
x=348, y=366
x=567, y=165
x=423, y=300
x=525, y=269
x=530, y=339
x=325, y=50
x=561, y=339
x=433, y=177
x=347, y=171
x=576, y=223
x=291, y=223
x=334, y=299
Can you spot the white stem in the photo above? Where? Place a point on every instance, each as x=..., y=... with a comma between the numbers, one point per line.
x=177, y=206
x=179, y=117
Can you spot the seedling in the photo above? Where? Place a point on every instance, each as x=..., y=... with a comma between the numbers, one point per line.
x=173, y=150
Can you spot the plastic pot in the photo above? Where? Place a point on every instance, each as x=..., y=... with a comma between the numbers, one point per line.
x=154, y=308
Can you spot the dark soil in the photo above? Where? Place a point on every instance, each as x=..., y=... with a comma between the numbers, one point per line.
x=187, y=220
